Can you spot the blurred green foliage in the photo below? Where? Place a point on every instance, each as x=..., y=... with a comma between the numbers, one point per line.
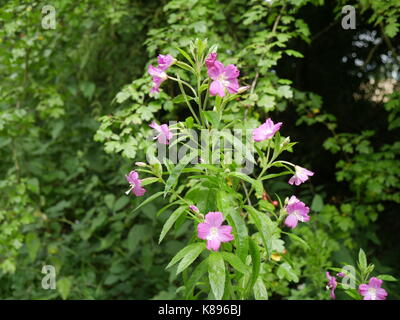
x=74, y=114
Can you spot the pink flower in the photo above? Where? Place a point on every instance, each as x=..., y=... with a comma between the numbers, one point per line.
x=297, y=211
x=300, y=176
x=164, y=134
x=159, y=76
x=212, y=57
x=266, y=130
x=213, y=231
x=194, y=208
x=372, y=290
x=164, y=62
x=331, y=284
x=224, y=78
x=158, y=73
x=136, y=188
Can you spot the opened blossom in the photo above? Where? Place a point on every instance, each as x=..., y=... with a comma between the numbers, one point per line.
x=224, y=78
x=164, y=134
x=332, y=284
x=158, y=73
x=297, y=211
x=135, y=183
x=266, y=130
x=301, y=175
x=372, y=290
x=213, y=231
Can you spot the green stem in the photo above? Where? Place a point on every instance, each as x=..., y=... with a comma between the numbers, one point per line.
x=187, y=101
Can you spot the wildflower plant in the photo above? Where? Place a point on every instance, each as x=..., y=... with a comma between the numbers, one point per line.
x=236, y=229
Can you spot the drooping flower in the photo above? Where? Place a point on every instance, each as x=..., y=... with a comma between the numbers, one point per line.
x=194, y=208
x=135, y=182
x=224, y=78
x=159, y=76
x=158, y=73
x=266, y=130
x=300, y=176
x=165, y=61
x=297, y=211
x=213, y=231
x=372, y=290
x=332, y=284
x=164, y=134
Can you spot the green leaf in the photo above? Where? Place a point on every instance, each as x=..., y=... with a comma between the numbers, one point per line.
x=228, y=206
x=121, y=203
x=181, y=98
x=170, y=222
x=195, y=276
x=317, y=203
x=295, y=237
x=186, y=55
x=109, y=200
x=216, y=274
x=259, y=290
x=235, y=262
x=191, y=247
x=148, y=200
x=148, y=181
x=286, y=271
x=184, y=66
x=264, y=226
x=64, y=287
x=353, y=294
x=362, y=259
x=134, y=236
x=189, y=122
x=189, y=257
x=32, y=245
x=213, y=118
x=258, y=186
x=256, y=264
x=387, y=277
x=176, y=172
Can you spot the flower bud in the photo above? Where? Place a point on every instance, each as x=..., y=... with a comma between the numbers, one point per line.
x=141, y=164
x=243, y=89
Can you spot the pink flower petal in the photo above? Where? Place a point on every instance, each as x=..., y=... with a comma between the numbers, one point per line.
x=215, y=219
x=216, y=88
x=203, y=229
x=213, y=244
